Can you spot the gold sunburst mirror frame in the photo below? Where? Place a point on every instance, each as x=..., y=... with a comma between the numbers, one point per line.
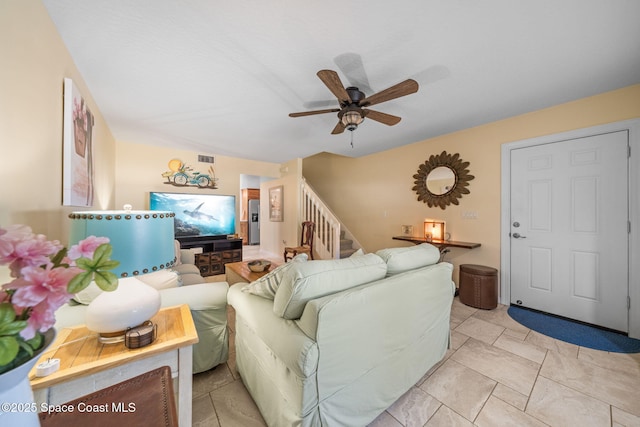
x=442, y=180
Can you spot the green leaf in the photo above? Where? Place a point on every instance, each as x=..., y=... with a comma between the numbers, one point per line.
x=79, y=282
x=7, y=313
x=85, y=263
x=36, y=341
x=108, y=264
x=8, y=349
x=12, y=328
x=57, y=258
x=103, y=252
x=106, y=280
x=102, y=259
x=26, y=347
x=96, y=269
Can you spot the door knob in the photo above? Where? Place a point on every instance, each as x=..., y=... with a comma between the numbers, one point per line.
x=518, y=236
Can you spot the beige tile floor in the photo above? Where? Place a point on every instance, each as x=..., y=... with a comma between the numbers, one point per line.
x=497, y=373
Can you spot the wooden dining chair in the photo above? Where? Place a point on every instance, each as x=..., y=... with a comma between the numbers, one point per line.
x=306, y=242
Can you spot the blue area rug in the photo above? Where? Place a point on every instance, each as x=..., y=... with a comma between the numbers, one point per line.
x=574, y=332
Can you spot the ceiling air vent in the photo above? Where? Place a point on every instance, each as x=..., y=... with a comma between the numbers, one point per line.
x=205, y=159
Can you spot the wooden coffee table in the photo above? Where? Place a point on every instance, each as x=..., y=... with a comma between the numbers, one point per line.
x=239, y=272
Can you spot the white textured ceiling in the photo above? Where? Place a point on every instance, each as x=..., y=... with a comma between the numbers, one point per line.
x=220, y=77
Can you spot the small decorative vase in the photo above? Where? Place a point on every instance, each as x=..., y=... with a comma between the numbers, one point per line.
x=17, y=407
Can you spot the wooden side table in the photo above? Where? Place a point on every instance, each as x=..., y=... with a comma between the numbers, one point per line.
x=87, y=365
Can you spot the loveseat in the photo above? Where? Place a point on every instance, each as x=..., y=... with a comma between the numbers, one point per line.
x=182, y=284
x=340, y=340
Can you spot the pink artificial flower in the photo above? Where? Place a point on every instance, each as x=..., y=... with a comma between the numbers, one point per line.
x=85, y=248
x=20, y=248
x=9, y=236
x=39, y=286
x=45, y=288
x=41, y=318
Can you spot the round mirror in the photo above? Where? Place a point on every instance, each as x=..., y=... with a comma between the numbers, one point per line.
x=440, y=180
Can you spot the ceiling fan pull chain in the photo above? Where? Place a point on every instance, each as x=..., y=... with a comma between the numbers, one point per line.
x=351, y=139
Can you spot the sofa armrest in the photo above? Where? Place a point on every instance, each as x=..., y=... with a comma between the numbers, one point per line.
x=255, y=316
x=208, y=305
x=201, y=296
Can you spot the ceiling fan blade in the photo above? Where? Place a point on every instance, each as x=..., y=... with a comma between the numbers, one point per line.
x=319, y=104
x=311, y=113
x=385, y=118
x=353, y=69
x=338, y=129
x=406, y=87
x=332, y=81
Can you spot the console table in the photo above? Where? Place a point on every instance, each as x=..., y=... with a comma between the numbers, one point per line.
x=440, y=244
x=216, y=252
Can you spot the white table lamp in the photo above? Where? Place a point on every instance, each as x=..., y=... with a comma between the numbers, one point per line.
x=143, y=242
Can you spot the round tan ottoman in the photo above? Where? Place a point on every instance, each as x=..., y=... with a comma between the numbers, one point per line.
x=478, y=286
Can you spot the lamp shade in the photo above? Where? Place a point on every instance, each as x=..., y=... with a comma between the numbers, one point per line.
x=433, y=230
x=142, y=241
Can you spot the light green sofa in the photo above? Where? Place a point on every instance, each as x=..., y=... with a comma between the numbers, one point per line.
x=182, y=285
x=343, y=339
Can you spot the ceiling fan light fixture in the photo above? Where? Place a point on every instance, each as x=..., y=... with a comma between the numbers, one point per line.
x=351, y=119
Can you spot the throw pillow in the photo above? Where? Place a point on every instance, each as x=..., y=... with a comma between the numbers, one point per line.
x=359, y=252
x=314, y=279
x=403, y=259
x=267, y=285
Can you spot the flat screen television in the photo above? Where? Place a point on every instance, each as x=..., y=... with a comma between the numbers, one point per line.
x=198, y=214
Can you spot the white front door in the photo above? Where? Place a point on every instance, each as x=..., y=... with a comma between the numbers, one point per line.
x=569, y=228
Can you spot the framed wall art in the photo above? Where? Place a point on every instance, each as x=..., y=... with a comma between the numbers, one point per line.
x=276, y=204
x=78, y=173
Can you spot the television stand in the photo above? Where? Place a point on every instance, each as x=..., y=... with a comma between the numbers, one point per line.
x=216, y=252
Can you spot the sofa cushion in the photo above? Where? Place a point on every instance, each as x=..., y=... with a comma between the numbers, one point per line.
x=162, y=279
x=404, y=259
x=267, y=285
x=309, y=280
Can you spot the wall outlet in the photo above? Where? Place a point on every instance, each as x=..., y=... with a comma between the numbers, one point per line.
x=469, y=215
x=407, y=230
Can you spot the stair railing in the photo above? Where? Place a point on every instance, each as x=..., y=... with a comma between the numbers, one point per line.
x=326, y=241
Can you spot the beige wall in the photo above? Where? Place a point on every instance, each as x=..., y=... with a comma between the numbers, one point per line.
x=35, y=62
x=372, y=195
x=274, y=236
x=139, y=171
